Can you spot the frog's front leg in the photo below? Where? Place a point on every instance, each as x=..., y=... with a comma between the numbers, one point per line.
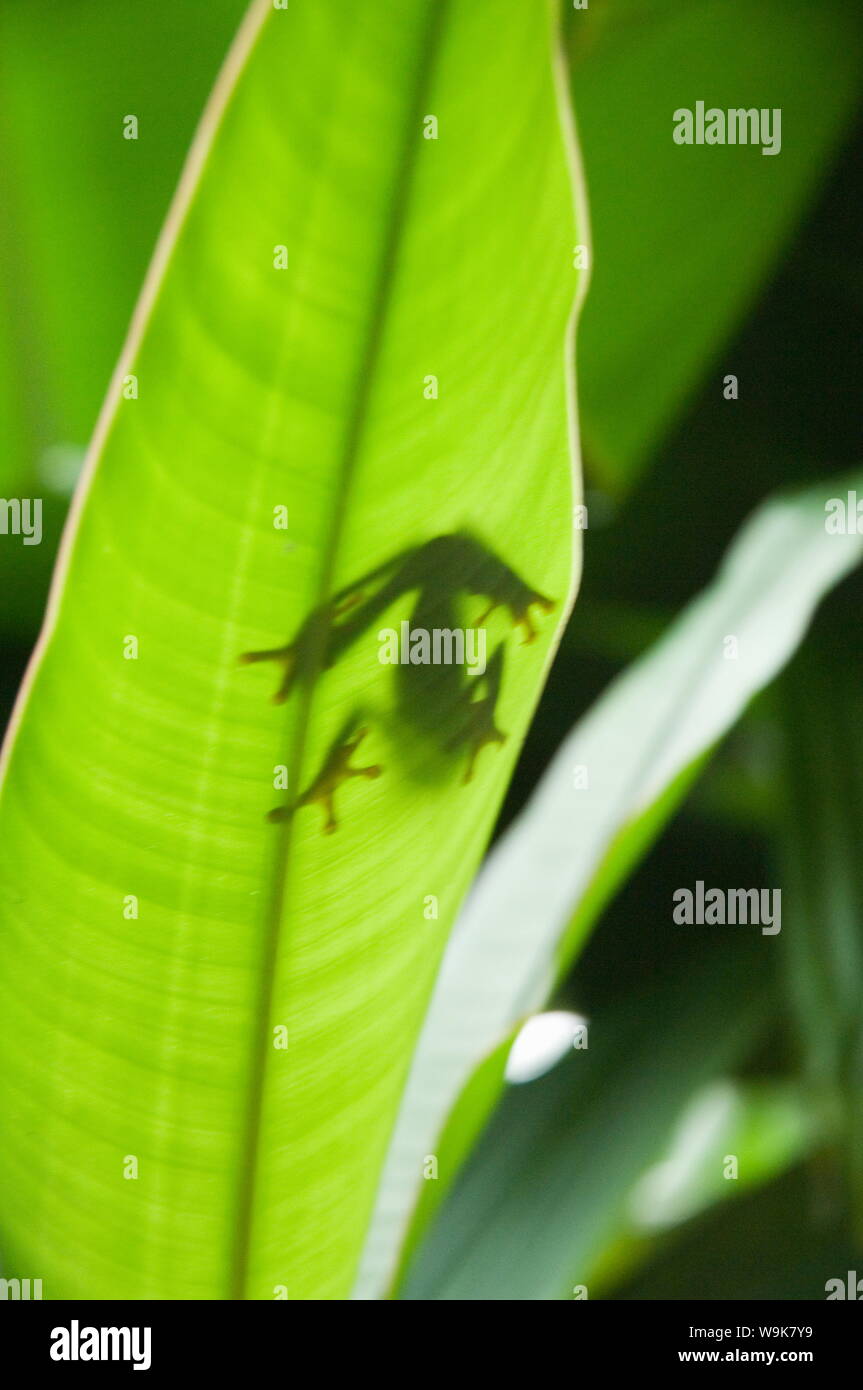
x=336, y=769
x=479, y=727
x=286, y=658
x=311, y=649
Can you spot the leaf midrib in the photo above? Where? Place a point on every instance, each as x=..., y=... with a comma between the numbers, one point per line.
x=281, y=880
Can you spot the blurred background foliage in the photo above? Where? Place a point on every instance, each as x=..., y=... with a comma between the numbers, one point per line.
x=607, y=1171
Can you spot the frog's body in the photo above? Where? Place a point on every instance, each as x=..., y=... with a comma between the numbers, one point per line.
x=444, y=704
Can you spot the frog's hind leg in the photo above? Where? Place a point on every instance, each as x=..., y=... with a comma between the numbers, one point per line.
x=479, y=727
x=486, y=573
x=335, y=770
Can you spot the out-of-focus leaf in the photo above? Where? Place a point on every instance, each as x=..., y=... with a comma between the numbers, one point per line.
x=610, y=789
x=551, y=1183
x=822, y=707
x=25, y=570
x=772, y=1244
x=685, y=235
x=763, y=1127
x=80, y=208
x=227, y=999
x=82, y=205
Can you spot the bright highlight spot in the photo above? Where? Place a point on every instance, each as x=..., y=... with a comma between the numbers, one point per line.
x=59, y=467
x=542, y=1042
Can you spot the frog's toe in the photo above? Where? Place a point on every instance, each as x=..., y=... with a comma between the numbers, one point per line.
x=523, y=618
x=374, y=771
x=480, y=730
x=492, y=735
x=271, y=654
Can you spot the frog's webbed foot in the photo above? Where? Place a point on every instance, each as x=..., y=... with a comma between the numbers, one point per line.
x=336, y=769
x=479, y=734
x=286, y=657
x=519, y=608
x=479, y=727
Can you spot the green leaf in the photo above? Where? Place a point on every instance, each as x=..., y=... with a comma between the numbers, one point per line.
x=686, y=236
x=168, y=917
x=550, y=875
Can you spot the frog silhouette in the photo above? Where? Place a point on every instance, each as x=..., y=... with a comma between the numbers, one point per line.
x=446, y=707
